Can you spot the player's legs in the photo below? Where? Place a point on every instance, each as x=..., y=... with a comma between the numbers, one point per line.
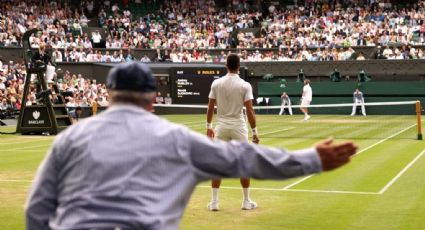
x=241, y=134
x=282, y=108
x=304, y=109
x=290, y=109
x=363, y=109
x=353, y=112
x=225, y=135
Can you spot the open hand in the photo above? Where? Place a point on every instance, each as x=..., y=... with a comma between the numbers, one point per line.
x=335, y=155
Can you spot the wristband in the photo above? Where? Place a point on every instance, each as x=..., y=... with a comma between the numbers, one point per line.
x=255, y=131
x=209, y=126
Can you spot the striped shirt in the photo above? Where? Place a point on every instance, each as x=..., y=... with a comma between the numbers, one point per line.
x=130, y=169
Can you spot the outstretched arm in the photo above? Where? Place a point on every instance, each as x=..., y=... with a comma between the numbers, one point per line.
x=241, y=159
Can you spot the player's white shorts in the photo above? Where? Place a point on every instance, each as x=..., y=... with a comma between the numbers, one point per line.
x=305, y=102
x=231, y=133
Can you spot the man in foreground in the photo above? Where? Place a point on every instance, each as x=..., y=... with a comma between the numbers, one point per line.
x=306, y=98
x=130, y=169
x=230, y=93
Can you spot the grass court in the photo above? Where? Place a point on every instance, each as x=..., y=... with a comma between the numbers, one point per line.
x=382, y=188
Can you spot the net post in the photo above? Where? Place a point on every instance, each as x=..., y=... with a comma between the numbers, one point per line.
x=418, y=117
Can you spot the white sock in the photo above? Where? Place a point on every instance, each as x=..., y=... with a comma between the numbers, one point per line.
x=245, y=193
x=215, y=194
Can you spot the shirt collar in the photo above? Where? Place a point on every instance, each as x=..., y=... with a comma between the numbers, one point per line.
x=128, y=107
x=232, y=75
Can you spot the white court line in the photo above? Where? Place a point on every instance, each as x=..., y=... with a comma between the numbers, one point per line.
x=388, y=185
x=192, y=122
x=29, y=147
x=19, y=181
x=296, y=190
x=281, y=130
x=331, y=191
x=296, y=182
x=358, y=153
x=21, y=142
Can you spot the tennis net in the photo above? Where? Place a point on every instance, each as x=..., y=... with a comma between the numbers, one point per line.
x=383, y=120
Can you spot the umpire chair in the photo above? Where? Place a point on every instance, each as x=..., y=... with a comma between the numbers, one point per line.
x=43, y=117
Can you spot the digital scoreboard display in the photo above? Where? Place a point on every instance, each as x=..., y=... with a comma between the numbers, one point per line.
x=191, y=85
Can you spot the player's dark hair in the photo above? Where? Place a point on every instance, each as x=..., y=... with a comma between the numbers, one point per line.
x=233, y=62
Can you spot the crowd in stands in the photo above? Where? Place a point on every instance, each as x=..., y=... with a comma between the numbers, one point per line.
x=77, y=90
x=184, y=31
x=81, y=92
x=198, y=24
x=195, y=55
x=12, y=77
x=58, y=22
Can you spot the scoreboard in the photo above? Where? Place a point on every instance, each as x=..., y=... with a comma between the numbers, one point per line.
x=191, y=85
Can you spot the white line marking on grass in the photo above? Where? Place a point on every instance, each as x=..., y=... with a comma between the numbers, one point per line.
x=192, y=122
x=21, y=142
x=331, y=191
x=297, y=190
x=388, y=185
x=358, y=153
x=29, y=147
x=277, y=131
x=379, y=142
x=297, y=182
x=18, y=181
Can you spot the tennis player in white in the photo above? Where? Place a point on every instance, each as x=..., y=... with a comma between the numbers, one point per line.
x=306, y=99
x=231, y=93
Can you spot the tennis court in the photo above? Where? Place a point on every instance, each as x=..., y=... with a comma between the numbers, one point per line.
x=383, y=187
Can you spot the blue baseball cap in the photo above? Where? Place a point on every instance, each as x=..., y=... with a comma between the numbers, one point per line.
x=131, y=76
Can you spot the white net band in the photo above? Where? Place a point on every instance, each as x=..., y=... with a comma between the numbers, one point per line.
x=299, y=106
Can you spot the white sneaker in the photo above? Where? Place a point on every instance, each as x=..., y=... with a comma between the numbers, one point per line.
x=352, y=114
x=306, y=118
x=213, y=206
x=248, y=205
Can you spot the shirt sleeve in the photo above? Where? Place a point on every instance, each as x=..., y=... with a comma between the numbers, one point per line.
x=212, y=91
x=248, y=92
x=42, y=200
x=218, y=159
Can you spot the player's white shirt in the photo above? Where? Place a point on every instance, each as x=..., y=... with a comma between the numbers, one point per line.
x=307, y=93
x=230, y=93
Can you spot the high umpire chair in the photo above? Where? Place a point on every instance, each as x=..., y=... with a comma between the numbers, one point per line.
x=44, y=116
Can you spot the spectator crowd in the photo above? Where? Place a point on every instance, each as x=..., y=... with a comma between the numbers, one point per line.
x=312, y=30
x=77, y=90
x=185, y=31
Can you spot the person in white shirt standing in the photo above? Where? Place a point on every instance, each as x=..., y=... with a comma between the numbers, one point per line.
x=286, y=101
x=306, y=99
x=230, y=93
x=358, y=99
